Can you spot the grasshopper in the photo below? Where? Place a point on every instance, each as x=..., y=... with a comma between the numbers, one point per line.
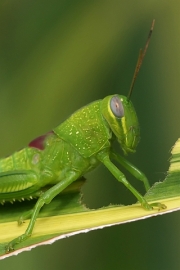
x=75, y=147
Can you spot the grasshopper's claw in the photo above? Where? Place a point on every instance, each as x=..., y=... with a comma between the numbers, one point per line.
x=160, y=206
x=150, y=206
x=24, y=216
x=20, y=221
x=9, y=248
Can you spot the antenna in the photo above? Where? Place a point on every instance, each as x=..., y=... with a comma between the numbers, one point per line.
x=139, y=61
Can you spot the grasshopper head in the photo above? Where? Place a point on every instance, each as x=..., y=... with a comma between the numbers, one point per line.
x=122, y=119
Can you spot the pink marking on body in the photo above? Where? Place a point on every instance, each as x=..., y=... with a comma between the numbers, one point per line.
x=39, y=141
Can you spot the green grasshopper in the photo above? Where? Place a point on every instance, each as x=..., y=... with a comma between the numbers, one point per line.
x=75, y=147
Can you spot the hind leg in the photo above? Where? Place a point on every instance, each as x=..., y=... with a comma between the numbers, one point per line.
x=46, y=198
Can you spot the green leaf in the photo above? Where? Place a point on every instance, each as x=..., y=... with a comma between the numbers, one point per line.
x=66, y=216
x=170, y=187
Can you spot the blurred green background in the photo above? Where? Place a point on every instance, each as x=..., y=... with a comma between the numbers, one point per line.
x=56, y=56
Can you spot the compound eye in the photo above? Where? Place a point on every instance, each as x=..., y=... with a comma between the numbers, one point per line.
x=117, y=107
